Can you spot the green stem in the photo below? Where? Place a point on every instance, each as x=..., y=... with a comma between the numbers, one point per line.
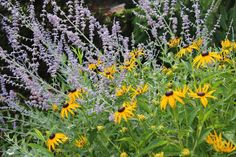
x=199, y=131
x=177, y=126
x=109, y=140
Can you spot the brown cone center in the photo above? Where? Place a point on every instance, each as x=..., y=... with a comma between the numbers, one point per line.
x=72, y=90
x=169, y=93
x=121, y=109
x=200, y=93
x=65, y=105
x=205, y=54
x=52, y=136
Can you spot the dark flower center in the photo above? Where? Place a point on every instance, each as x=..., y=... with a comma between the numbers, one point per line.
x=65, y=105
x=52, y=136
x=121, y=109
x=169, y=93
x=205, y=54
x=200, y=93
x=108, y=73
x=72, y=90
x=185, y=47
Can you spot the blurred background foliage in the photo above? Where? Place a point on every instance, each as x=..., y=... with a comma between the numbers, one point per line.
x=224, y=8
x=122, y=10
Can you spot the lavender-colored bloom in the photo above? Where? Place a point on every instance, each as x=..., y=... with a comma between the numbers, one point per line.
x=166, y=7
x=111, y=117
x=54, y=20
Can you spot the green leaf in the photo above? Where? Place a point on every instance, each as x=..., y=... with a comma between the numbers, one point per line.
x=124, y=139
x=37, y=134
x=152, y=146
x=41, y=149
x=79, y=54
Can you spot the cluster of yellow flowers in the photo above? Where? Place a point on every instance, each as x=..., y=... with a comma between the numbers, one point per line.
x=68, y=108
x=128, y=64
x=171, y=96
x=127, y=109
x=219, y=144
x=205, y=57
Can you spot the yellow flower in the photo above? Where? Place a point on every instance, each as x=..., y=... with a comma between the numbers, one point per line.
x=140, y=90
x=174, y=42
x=54, y=107
x=123, y=154
x=189, y=49
x=183, y=51
x=136, y=53
x=81, y=142
x=219, y=144
x=100, y=127
x=128, y=65
x=55, y=139
x=227, y=47
x=108, y=72
x=171, y=97
x=125, y=112
x=74, y=94
x=68, y=107
x=185, y=152
x=94, y=66
x=226, y=44
x=202, y=94
x=141, y=117
x=123, y=90
x=161, y=154
x=196, y=44
x=205, y=58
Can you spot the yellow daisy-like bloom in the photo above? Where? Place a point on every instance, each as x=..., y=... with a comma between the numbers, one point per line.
x=205, y=58
x=202, y=94
x=68, y=107
x=189, y=49
x=54, y=107
x=219, y=144
x=141, y=117
x=227, y=47
x=185, y=152
x=183, y=51
x=123, y=90
x=123, y=154
x=226, y=44
x=81, y=142
x=74, y=94
x=129, y=65
x=171, y=97
x=140, y=90
x=161, y=154
x=94, y=66
x=174, y=42
x=55, y=139
x=136, y=53
x=108, y=72
x=196, y=44
x=125, y=112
